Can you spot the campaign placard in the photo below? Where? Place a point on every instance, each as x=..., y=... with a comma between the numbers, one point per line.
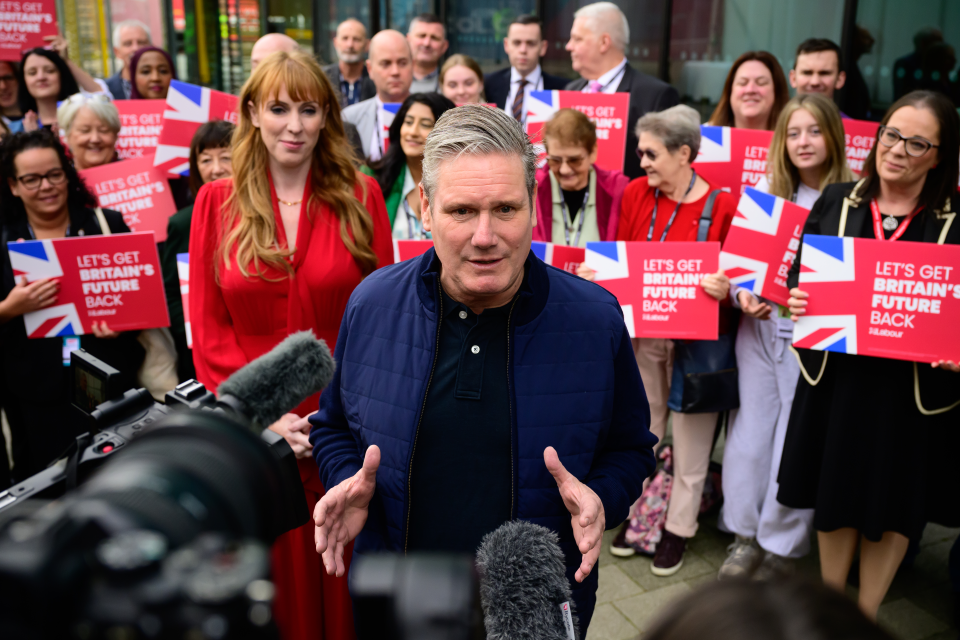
x=114, y=279
x=607, y=110
x=183, y=274
x=859, y=138
x=386, y=114
x=138, y=190
x=24, y=25
x=658, y=286
x=762, y=244
x=407, y=249
x=886, y=299
x=732, y=159
x=141, y=122
x=187, y=107
x=559, y=255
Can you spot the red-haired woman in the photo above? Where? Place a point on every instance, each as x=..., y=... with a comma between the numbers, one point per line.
x=277, y=249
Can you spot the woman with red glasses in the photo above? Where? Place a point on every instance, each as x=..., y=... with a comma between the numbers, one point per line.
x=857, y=420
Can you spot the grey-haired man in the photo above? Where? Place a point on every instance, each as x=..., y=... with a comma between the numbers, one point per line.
x=475, y=384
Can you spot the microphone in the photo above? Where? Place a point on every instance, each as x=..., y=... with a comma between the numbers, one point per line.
x=279, y=380
x=524, y=590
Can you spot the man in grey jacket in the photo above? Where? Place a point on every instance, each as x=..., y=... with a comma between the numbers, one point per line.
x=390, y=66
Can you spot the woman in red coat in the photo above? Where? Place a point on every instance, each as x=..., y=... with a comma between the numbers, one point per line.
x=276, y=249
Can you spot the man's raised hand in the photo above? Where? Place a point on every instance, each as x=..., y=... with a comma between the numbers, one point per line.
x=342, y=512
x=586, y=511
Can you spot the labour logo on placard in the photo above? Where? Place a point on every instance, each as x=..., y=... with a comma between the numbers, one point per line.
x=759, y=211
x=53, y=322
x=745, y=272
x=714, y=144
x=826, y=333
x=188, y=106
x=35, y=260
x=827, y=259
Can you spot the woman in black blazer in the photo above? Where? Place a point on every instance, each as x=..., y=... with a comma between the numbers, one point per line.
x=872, y=442
x=41, y=197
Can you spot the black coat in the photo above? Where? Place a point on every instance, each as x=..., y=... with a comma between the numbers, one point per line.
x=496, y=86
x=37, y=385
x=367, y=88
x=646, y=94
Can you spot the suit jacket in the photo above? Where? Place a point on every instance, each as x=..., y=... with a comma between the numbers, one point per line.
x=646, y=94
x=115, y=84
x=496, y=86
x=363, y=116
x=367, y=88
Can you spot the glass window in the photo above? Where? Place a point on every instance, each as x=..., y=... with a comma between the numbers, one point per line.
x=477, y=28
x=708, y=35
x=902, y=46
x=336, y=12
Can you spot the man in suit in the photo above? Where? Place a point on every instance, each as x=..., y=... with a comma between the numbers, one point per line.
x=350, y=75
x=128, y=36
x=428, y=41
x=525, y=46
x=390, y=66
x=598, y=40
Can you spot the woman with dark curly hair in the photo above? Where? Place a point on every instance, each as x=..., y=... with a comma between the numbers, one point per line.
x=43, y=198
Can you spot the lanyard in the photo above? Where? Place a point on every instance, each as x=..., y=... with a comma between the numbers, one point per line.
x=878, y=225
x=616, y=77
x=568, y=223
x=656, y=204
x=413, y=223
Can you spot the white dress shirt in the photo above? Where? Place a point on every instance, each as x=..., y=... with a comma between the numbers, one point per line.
x=534, y=83
x=610, y=80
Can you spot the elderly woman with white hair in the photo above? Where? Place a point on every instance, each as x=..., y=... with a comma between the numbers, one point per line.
x=91, y=124
x=668, y=143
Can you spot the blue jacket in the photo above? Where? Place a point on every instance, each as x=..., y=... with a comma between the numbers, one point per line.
x=573, y=380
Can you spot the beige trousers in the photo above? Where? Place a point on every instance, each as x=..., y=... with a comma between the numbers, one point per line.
x=692, y=435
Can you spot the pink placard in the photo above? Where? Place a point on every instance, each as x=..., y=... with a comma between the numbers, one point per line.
x=887, y=299
x=136, y=189
x=658, y=286
x=762, y=244
x=114, y=279
x=141, y=123
x=24, y=25
x=559, y=255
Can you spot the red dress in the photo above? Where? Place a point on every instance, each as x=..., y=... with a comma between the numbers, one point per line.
x=241, y=318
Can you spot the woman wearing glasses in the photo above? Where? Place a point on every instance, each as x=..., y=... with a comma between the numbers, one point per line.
x=44, y=198
x=399, y=171
x=577, y=201
x=857, y=421
x=91, y=123
x=667, y=205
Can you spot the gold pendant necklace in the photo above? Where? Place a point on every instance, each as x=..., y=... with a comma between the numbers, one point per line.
x=290, y=204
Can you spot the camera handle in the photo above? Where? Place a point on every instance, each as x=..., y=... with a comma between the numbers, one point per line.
x=73, y=460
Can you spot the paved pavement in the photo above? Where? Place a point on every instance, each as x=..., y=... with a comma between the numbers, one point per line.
x=919, y=605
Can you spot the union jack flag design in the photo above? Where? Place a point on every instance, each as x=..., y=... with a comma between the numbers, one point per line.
x=759, y=211
x=53, y=322
x=609, y=260
x=541, y=105
x=714, y=144
x=188, y=107
x=543, y=250
x=827, y=259
x=35, y=259
x=183, y=274
x=826, y=333
x=386, y=116
x=748, y=273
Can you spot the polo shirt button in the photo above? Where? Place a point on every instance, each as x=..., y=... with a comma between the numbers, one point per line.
x=463, y=315
x=475, y=349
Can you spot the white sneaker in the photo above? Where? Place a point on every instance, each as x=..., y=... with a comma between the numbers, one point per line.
x=774, y=566
x=743, y=559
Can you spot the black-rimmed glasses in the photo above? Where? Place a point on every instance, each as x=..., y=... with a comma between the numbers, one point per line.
x=915, y=145
x=32, y=181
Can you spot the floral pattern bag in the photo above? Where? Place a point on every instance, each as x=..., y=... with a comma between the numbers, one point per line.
x=649, y=514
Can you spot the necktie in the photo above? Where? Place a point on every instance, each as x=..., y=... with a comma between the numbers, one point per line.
x=518, y=102
x=594, y=87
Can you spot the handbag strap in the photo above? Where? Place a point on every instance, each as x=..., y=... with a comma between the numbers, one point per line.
x=706, y=216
